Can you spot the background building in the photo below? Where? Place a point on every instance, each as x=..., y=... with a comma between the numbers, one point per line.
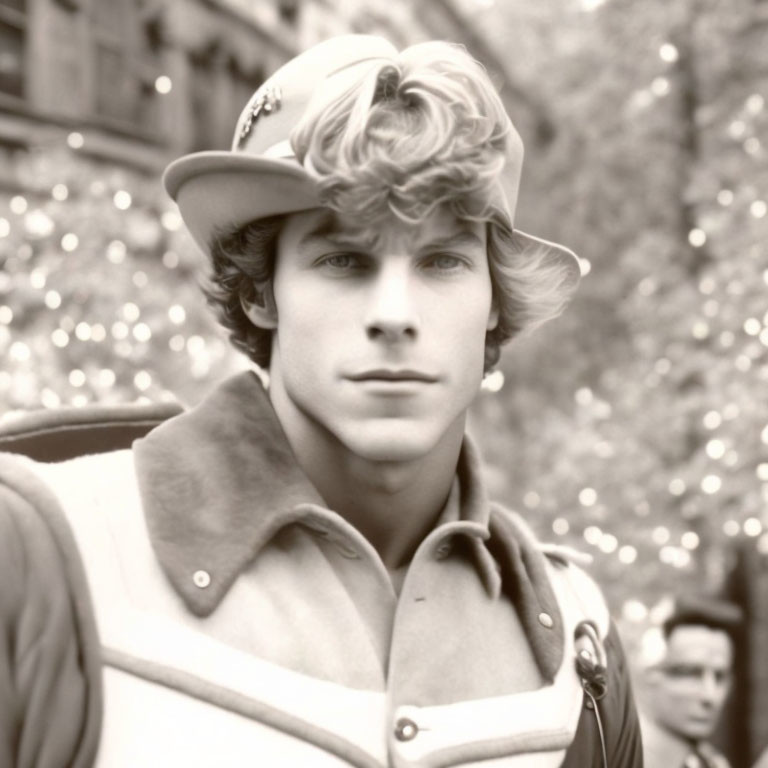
x=140, y=81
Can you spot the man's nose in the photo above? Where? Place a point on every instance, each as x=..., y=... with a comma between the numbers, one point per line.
x=393, y=312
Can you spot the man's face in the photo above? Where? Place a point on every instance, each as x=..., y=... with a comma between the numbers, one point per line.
x=690, y=687
x=380, y=334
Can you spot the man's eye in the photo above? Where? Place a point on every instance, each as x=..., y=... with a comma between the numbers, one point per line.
x=445, y=262
x=341, y=260
x=685, y=670
x=722, y=676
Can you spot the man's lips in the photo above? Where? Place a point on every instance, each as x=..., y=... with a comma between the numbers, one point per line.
x=392, y=374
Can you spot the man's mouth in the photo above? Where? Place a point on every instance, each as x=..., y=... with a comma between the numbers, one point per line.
x=393, y=375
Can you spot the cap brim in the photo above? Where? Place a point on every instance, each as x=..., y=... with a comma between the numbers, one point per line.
x=220, y=191
x=552, y=253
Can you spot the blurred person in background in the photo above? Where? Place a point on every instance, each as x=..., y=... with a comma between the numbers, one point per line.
x=312, y=573
x=687, y=671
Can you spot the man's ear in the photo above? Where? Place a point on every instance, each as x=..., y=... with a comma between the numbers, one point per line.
x=263, y=314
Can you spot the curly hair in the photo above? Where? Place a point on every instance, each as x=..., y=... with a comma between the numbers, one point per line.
x=242, y=265
x=424, y=131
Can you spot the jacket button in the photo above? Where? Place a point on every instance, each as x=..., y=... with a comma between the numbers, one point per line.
x=443, y=550
x=405, y=729
x=347, y=550
x=201, y=579
x=546, y=620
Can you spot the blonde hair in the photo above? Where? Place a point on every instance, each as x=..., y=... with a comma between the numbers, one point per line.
x=426, y=130
x=423, y=131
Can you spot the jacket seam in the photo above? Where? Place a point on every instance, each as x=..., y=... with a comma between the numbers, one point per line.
x=237, y=703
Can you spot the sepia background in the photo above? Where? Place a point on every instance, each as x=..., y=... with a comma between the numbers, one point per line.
x=635, y=427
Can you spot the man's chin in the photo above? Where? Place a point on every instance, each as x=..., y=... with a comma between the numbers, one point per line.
x=390, y=452
x=389, y=445
x=698, y=730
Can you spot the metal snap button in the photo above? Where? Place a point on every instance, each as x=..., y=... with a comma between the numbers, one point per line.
x=347, y=550
x=546, y=620
x=406, y=729
x=201, y=579
x=443, y=550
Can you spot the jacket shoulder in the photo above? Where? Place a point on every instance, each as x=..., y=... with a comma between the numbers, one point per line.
x=64, y=433
x=564, y=555
x=567, y=573
x=49, y=645
x=582, y=602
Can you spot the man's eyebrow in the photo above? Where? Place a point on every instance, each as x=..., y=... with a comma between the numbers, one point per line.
x=330, y=227
x=458, y=238
x=327, y=225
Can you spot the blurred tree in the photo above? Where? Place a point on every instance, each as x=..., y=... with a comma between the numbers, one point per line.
x=638, y=421
x=99, y=297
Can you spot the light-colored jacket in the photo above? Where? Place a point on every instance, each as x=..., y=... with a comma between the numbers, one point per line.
x=239, y=621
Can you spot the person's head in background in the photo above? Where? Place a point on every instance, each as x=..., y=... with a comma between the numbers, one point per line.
x=688, y=665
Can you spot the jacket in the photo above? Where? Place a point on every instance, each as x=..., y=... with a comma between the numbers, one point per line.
x=191, y=601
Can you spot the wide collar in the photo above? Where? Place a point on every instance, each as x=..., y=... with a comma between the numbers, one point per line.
x=219, y=481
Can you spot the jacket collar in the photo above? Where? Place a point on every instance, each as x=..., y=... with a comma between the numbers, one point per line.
x=218, y=482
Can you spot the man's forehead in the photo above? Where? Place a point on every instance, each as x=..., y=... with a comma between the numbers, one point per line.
x=442, y=227
x=699, y=644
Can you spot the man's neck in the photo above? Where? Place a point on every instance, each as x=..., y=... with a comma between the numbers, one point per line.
x=393, y=504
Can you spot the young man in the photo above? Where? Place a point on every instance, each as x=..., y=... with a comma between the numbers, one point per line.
x=687, y=680
x=313, y=574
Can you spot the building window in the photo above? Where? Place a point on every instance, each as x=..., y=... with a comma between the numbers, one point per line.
x=125, y=65
x=13, y=22
x=203, y=99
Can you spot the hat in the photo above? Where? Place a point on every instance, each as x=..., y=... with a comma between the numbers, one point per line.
x=260, y=175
